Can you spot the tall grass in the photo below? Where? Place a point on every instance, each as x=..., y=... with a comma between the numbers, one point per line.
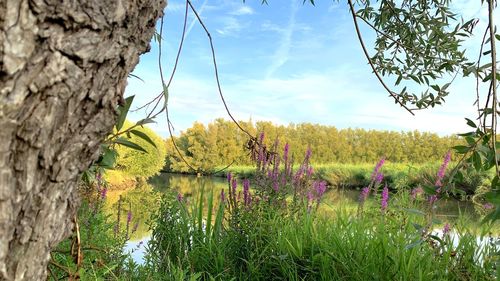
x=269, y=243
x=279, y=232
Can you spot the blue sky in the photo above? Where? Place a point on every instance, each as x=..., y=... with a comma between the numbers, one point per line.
x=287, y=63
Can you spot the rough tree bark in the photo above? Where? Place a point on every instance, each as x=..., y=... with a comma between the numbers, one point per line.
x=63, y=70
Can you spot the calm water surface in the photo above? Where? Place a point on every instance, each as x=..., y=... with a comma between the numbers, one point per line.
x=142, y=200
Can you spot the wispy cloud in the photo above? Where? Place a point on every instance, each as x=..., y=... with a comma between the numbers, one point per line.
x=231, y=26
x=281, y=54
x=243, y=10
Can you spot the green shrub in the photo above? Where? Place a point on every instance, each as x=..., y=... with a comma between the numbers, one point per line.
x=139, y=164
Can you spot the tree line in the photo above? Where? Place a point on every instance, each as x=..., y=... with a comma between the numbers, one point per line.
x=221, y=142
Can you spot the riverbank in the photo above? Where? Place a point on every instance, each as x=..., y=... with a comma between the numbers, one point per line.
x=355, y=176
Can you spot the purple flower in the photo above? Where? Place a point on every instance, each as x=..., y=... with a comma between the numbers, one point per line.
x=136, y=225
x=103, y=193
x=308, y=154
x=229, y=177
x=261, y=137
x=310, y=171
x=179, y=197
x=442, y=169
x=222, y=196
x=320, y=188
x=432, y=199
x=310, y=196
x=276, y=186
x=129, y=216
x=488, y=206
x=377, y=168
x=446, y=229
x=246, y=191
x=378, y=178
x=285, y=153
x=385, y=198
x=234, y=184
x=364, y=194
x=415, y=192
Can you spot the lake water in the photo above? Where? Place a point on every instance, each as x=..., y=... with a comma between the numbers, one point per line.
x=142, y=200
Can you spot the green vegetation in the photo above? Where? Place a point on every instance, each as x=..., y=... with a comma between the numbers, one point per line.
x=263, y=242
x=222, y=143
x=396, y=175
x=138, y=163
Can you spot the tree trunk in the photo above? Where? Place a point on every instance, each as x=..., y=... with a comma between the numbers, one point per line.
x=63, y=70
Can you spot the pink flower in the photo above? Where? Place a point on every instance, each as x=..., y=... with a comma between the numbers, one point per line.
x=179, y=197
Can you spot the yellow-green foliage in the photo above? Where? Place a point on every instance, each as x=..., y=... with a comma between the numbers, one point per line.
x=139, y=164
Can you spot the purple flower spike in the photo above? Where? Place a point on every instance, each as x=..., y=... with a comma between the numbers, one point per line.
x=229, y=177
x=246, y=191
x=276, y=186
x=285, y=153
x=377, y=168
x=234, y=184
x=378, y=178
x=442, y=169
x=364, y=194
x=385, y=198
x=104, y=191
x=320, y=189
x=308, y=154
x=129, y=216
x=179, y=197
x=222, y=196
x=134, y=229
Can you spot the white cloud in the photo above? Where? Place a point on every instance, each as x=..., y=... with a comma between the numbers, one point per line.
x=243, y=10
x=281, y=54
x=230, y=26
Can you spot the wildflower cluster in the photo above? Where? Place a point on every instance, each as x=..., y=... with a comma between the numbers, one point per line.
x=376, y=179
x=276, y=178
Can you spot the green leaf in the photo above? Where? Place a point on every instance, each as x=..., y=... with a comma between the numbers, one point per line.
x=123, y=112
x=417, y=226
x=143, y=136
x=429, y=190
x=470, y=123
x=108, y=158
x=462, y=149
x=415, y=211
x=145, y=121
x=129, y=144
x=493, y=216
x=476, y=161
x=414, y=244
x=493, y=197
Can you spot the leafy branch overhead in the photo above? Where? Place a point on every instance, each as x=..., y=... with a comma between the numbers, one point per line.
x=418, y=42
